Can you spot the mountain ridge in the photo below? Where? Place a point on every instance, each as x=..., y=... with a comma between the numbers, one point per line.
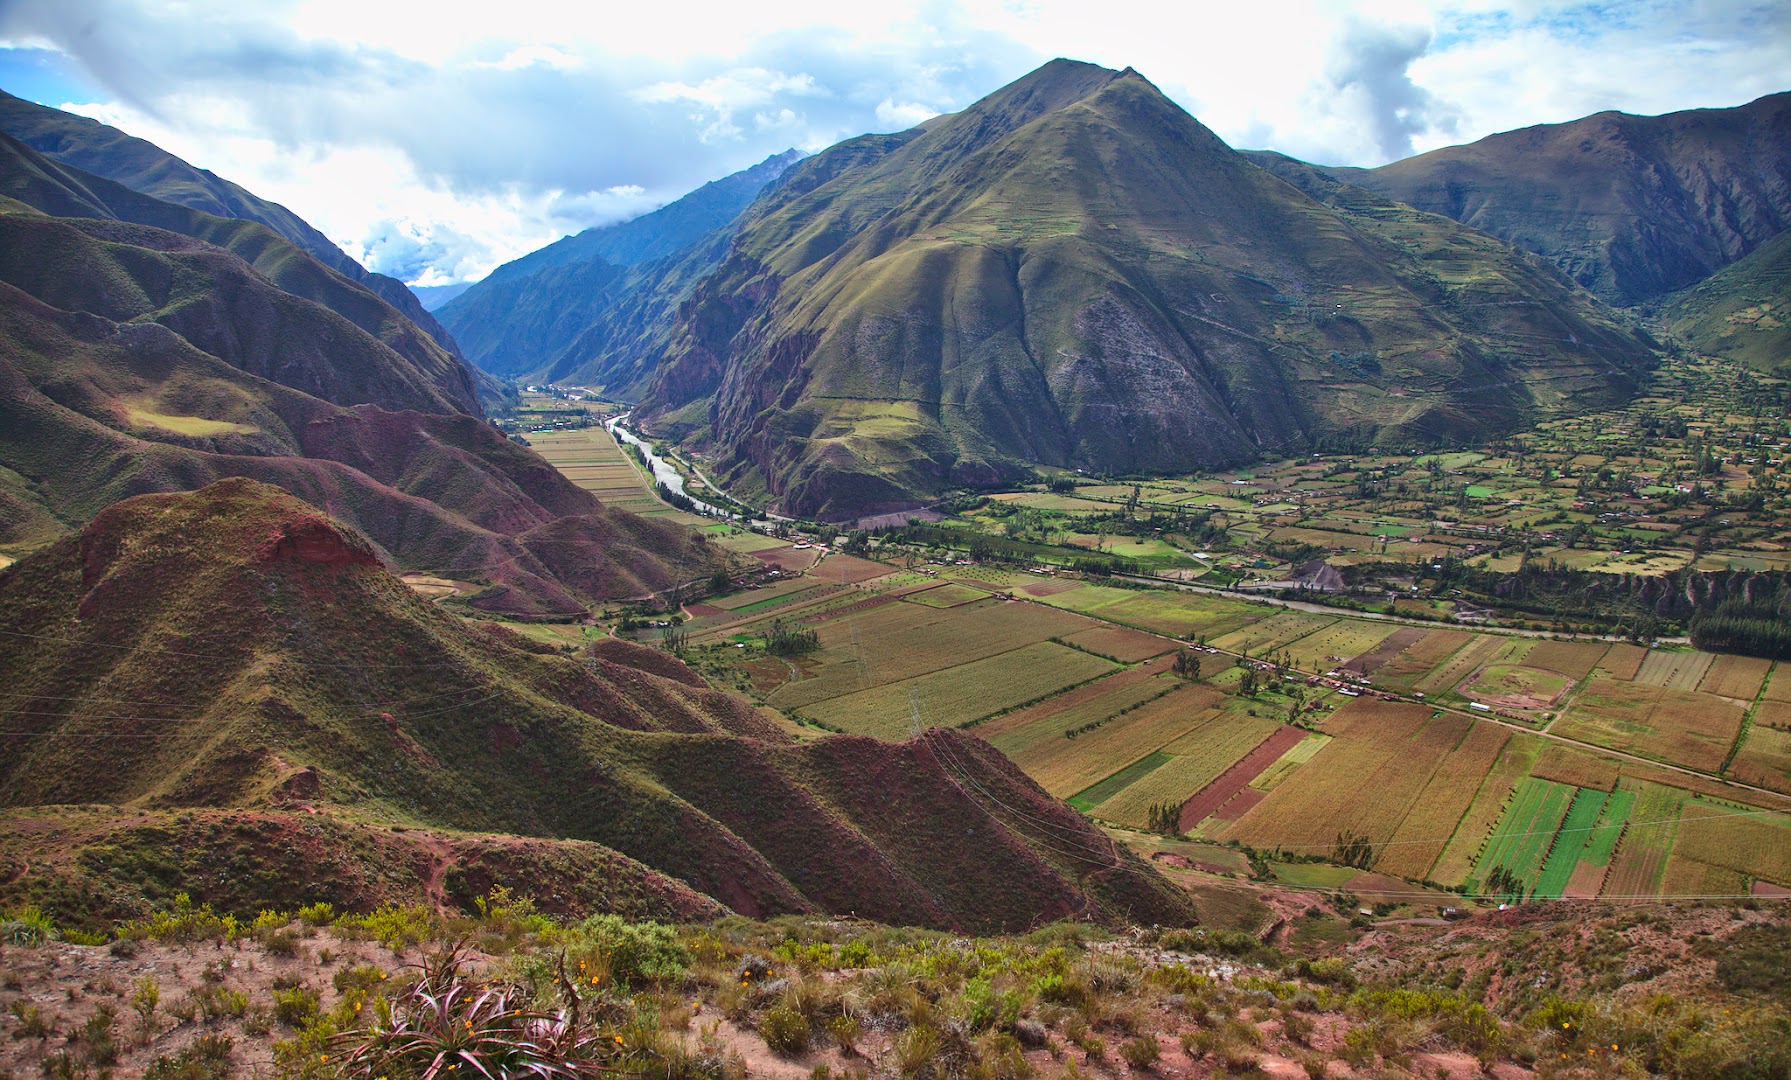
x=1074, y=273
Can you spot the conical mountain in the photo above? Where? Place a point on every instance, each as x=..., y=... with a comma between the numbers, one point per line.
x=233, y=655
x=1074, y=273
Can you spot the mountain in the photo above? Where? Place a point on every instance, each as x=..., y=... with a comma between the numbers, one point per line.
x=1631, y=207
x=1074, y=273
x=1742, y=311
x=584, y=305
x=434, y=296
x=136, y=358
x=207, y=674
x=146, y=168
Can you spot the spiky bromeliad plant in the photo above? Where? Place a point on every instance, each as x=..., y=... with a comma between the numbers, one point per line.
x=448, y=1025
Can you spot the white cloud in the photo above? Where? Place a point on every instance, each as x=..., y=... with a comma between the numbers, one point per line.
x=440, y=138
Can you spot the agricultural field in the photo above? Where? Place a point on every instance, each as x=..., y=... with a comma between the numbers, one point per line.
x=1678, y=727
x=1675, y=669
x=1526, y=833
x=1738, y=678
x=974, y=690
x=1194, y=760
x=1764, y=759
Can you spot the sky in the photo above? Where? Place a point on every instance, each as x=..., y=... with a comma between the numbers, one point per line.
x=435, y=140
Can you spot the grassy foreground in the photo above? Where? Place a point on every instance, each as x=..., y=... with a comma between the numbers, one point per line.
x=1551, y=990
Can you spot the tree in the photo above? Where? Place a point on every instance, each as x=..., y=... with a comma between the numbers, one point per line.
x=1166, y=818
x=1352, y=849
x=1187, y=665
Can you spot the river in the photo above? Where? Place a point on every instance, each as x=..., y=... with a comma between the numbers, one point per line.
x=663, y=471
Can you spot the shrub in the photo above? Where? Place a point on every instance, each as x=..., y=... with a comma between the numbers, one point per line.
x=27, y=925
x=205, y=1058
x=1142, y=1052
x=295, y=1006
x=633, y=952
x=183, y=923
x=31, y=1022
x=321, y=913
x=393, y=926
x=785, y=1030
x=1060, y=990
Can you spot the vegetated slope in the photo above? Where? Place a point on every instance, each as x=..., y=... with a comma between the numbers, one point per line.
x=406, y=367
x=587, y=307
x=133, y=359
x=1631, y=207
x=1742, y=311
x=1073, y=272
x=146, y=168
x=232, y=648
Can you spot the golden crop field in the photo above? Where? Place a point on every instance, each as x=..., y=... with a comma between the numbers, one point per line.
x=1338, y=643
x=1574, y=659
x=958, y=695
x=1778, y=687
x=1272, y=633
x=1570, y=765
x=1365, y=779
x=1018, y=732
x=1126, y=646
x=1437, y=812
x=1680, y=728
x=1764, y=759
x=1404, y=671
x=1460, y=664
x=1508, y=770
x=1739, y=839
x=1641, y=859
x=1065, y=766
x=1198, y=757
x=901, y=641
x=1773, y=714
x=1621, y=662
x=1737, y=677
x=1677, y=670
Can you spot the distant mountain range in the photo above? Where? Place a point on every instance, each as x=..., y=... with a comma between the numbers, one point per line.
x=592, y=308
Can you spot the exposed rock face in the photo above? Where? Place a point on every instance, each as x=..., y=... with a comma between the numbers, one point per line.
x=311, y=539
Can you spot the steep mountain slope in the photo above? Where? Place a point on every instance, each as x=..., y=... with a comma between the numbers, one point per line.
x=612, y=287
x=1742, y=311
x=146, y=168
x=134, y=359
x=232, y=648
x=1631, y=207
x=411, y=369
x=1075, y=273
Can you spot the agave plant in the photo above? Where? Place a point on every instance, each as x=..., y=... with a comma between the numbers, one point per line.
x=448, y=1025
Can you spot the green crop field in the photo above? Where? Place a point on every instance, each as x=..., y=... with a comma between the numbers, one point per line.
x=1577, y=828
x=1526, y=831
x=958, y=695
x=948, y=594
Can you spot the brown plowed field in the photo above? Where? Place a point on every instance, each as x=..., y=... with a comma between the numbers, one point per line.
x=1232, y=781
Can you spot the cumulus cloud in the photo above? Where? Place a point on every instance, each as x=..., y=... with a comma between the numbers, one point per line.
x=437, y=139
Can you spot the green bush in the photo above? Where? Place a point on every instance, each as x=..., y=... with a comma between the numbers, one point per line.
x=784, y=1029
x=634, y=952
x=295, y=1006
x=393, y=926
x=321, y=913
x=26, y=925
x=205, y=1058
